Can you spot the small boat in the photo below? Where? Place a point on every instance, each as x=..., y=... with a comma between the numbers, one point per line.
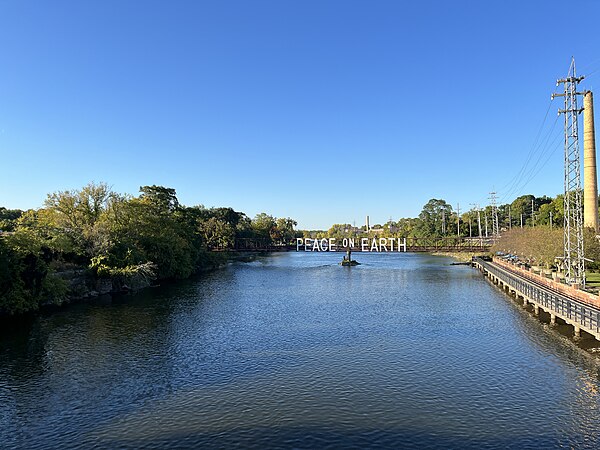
x=348, y=261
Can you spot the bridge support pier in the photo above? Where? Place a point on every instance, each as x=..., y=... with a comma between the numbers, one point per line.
x=562, y=307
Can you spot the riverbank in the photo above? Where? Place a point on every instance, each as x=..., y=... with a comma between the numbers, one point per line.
x=460, y=256
x=82, y=286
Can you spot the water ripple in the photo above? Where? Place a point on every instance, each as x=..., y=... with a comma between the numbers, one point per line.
x=295, y=351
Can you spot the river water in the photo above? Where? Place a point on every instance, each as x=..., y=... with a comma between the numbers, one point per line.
x=295, y=351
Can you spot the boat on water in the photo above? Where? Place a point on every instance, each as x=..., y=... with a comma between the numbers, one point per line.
x=348, y=261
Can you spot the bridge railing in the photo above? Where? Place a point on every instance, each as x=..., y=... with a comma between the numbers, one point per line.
x=438, y=244
x=586, y=315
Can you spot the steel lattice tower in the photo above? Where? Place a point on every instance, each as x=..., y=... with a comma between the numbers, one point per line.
x=574, y=259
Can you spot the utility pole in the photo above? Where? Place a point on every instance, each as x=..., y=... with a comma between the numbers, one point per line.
x=486, y=228
x=574, y=259
x=509, y=219
x=443, y=223
x=478, y=218
x=532, y=216
x=470, y=228
x=458, y=220
x=521, y=221
x=495, y=224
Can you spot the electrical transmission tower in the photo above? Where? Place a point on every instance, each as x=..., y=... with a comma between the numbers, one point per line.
x=574, y=260
x=495, y=224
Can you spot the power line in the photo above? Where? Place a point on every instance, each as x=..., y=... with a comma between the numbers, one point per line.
x=531, y=150
x=527, y=172
x=531, y=176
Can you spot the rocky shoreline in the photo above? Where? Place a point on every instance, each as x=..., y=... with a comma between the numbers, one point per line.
x=83, y=286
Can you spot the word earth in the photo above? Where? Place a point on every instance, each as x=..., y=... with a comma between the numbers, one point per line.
x=366, y=245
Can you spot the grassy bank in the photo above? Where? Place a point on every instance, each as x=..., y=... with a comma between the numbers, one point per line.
x=459, y=256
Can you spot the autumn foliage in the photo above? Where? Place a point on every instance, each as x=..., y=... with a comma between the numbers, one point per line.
x=541, y=245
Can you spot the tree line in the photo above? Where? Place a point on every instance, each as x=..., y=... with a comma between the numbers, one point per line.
x=439, y=220
x=119, y=236
x=530, y=227
x=116, y=236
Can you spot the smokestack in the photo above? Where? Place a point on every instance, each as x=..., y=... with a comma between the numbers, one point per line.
x=590, y=178
x=368, y=228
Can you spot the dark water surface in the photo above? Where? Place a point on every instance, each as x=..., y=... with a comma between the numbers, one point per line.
x=292, y=350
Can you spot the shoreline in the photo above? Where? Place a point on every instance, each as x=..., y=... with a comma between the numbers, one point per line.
x=92, y=295
x=460, y=256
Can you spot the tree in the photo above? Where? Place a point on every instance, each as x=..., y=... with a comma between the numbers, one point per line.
x=115, y=236
x=218, y=233
x=227, y=215
x=264, y=226
x=76, y=214
x=435, y=219
x=8, y=218
x=162, y=199
x=25, y=276
x=539, y=245
x=285, y=228
x=521, y=206
x=150, y=231
x=407, y=227
x=591, y=249
x=339, y=231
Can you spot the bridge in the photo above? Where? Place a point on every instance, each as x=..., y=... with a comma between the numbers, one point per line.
x=574, y=307
x=413, y=245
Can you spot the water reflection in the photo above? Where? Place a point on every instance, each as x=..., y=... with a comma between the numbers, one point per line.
x=295, y=351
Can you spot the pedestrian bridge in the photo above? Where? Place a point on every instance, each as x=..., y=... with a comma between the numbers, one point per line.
x=370, y=244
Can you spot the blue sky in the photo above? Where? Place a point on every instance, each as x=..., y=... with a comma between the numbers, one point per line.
x=324, y=111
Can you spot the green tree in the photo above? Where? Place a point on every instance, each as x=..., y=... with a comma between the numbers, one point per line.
x=25, y=277
x=75, y=215
x=218, y=233
x=264, y=226
x=435, y=219
x=115, y=236
x=151, y=228
x=521, y=206
x=285, y=228
x=161, y=199
x=8, y=218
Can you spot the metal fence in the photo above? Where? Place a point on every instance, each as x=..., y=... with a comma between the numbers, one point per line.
x=573, y=311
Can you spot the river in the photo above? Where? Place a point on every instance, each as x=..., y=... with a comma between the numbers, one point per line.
x=294, y=351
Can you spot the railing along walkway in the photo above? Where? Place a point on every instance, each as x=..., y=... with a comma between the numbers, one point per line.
x=577, y=311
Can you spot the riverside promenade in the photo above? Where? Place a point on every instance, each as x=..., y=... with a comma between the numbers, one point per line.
x=564, y=303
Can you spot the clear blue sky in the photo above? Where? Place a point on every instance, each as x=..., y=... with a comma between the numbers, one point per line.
x=324, y=111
